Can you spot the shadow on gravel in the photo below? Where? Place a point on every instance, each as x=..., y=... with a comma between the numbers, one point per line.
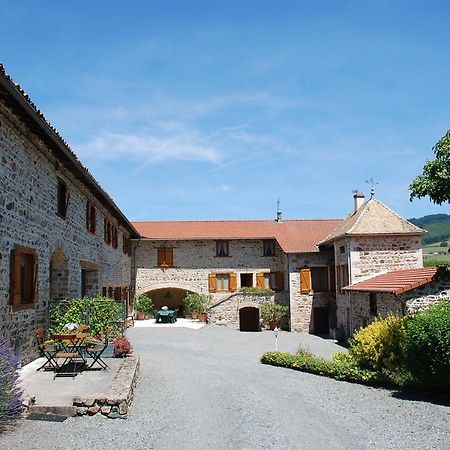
x=437, y=398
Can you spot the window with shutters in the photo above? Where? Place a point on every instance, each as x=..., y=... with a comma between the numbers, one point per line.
x=114, y=236
x=222, y=248
x=342, y=276
x=126, y=245
x=270, y=280
x=165, y=257
x=63, y=199
x=107, y=231
x=269, y=247
x=24, y=277
x=91, y=221
x=319, y=279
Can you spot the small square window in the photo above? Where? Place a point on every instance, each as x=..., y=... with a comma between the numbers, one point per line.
x=269, y=247
x=246, y=280
x=342, y=249
x=222, y=248
x=319, y=279
x=165, y=257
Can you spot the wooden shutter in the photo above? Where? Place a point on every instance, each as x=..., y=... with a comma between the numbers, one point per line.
x=232, y=281
x=345, y=275
x=169, y=257
x=280, y=281
x=66, y=201
x=161, y=257
x=305, y=280
x=104, y=291
x=88, y=215
x=260, y=278
x=15, y=278
x=212, y=282
x=118, y=293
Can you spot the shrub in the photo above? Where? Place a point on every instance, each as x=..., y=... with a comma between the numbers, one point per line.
x=343, y=366
x=256, y=291
x=142, y=303
x=273, y=312
x=427, y=345
x=100, y=313
x=197, y=303
x=379, y=345
x=10, y=394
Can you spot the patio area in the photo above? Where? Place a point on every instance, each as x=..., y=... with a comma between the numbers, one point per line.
x=108, y=392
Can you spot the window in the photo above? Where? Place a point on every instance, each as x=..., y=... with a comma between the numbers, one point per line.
x=342, y=249
x=222, y=248
x=91, y=222
x=114, y=236
x=219, y=282
x=63, y=199
x=126, y=245
x=373, y=304
x=270, y=280
x=165, y=257
x=269, y=247
x=107, y=231
x=246, y=280
x=342, y=276
x=24, y=277
x=319, y=279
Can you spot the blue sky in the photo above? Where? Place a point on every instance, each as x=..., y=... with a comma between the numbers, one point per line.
x=197, y=110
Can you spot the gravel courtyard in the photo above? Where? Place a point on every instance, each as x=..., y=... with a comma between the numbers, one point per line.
x=205, y=389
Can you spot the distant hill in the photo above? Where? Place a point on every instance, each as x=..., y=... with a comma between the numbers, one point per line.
x=437, y=225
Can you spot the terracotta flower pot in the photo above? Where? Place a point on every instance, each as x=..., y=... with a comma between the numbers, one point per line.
x=202, y=317
x=273, y=324
x=140, y=316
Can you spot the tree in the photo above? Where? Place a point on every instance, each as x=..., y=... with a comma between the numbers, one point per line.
x=435, y=179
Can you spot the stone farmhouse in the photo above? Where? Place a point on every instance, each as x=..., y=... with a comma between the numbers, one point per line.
x=61, y=235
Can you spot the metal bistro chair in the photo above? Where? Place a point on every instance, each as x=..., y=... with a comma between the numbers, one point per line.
x=69, y=354
x=95, y=351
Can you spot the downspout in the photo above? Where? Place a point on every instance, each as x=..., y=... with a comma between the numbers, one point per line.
x=133, y=269
x=289, y=290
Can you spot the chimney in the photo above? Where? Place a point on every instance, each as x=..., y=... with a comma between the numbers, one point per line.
x=279, y=218
x=358, y=199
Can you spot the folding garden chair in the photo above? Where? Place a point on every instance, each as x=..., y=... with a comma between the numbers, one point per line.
x=95, y=351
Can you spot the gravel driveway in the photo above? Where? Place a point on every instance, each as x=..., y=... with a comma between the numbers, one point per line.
x=205, y=389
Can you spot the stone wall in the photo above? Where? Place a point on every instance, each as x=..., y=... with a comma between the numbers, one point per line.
x=373, y=254
x=28, y=205
x=425, y=296
x=194, y=260
x=301, y=305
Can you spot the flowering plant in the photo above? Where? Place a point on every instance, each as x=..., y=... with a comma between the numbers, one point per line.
x=122, y=347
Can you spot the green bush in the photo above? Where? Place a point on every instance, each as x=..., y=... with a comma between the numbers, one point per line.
x=142, y=303
x=257, y=291
x=379, y=345
x=273, y=312
x=197, y=303
x=343, y=367
x=102, y=314
x=427, y=346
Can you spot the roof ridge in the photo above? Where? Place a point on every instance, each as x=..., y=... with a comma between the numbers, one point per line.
x=234, y=220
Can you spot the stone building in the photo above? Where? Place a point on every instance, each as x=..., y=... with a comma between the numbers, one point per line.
x=222, y=257
x=61, y=235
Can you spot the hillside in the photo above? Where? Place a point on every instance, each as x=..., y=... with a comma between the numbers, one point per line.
x=437, y=225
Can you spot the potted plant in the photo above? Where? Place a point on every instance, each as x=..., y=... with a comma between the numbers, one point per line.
x=197, y=305
x=272, y=313
x=122, y=347
x=143, y=306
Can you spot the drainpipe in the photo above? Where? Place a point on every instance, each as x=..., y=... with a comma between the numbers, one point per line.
x=289, y=288
x=133, y=269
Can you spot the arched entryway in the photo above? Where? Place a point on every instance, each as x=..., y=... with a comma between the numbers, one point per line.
x=59, y=275
x=249, y=319
x=171, y=297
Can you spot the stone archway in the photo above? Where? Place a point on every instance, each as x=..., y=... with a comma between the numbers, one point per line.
x=249, y=319
x=173, y=298
x=59, y=275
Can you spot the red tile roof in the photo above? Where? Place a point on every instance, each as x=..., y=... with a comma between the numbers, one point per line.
x=396, y=282
x=292, y=235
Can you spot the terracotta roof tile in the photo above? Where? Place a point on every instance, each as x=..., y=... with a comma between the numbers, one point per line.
x=292, y=235
x=396, y=282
